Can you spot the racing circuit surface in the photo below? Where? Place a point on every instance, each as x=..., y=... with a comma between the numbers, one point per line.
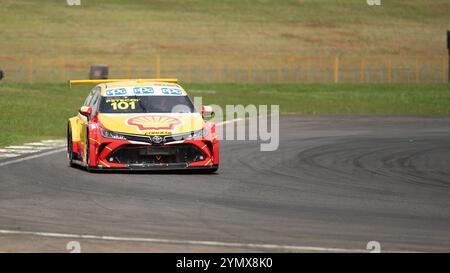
x=334, y=182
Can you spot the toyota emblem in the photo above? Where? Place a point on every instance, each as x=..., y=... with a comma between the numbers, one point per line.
x=157, y=139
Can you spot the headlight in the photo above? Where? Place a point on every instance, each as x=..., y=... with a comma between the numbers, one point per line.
x=192, y=135
x=198, y=134
x=113, y=135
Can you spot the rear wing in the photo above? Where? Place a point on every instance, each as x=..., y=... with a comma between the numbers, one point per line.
x=74, y=82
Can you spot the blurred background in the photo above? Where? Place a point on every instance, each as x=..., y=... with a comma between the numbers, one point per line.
x=257, y=41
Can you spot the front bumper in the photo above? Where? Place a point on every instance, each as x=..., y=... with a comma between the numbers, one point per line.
x=112, y=154
x=158, y=167
x=181, y=154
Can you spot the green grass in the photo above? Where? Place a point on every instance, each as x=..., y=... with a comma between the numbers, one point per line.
x=109, y=31
x=331, y=99
x=40, y=111
x=35, y=112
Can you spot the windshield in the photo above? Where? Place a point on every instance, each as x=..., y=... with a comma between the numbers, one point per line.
x=146, y=104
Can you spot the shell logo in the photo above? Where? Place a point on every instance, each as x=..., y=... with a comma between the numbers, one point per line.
x=154, y=122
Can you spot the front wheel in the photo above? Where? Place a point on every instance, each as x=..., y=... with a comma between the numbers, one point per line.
x=70, y=146
x=88, y=168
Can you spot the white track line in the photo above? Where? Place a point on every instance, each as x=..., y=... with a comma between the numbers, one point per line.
x=31, y=157
x=7, y=155
x=34, y=144
x=54, y=141
x=23, y=147
x=21, y=151
x=31, y=148
x=185, y=242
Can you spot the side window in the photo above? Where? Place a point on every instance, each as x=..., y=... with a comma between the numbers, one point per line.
x=88, y=100
x=94, y=101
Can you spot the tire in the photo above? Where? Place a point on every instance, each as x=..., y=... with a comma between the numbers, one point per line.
x=69, y=146
x=88, y=168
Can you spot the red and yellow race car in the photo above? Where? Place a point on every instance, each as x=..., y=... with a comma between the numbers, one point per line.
x=142, y=124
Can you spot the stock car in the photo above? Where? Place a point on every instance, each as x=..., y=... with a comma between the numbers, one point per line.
x=141, y=124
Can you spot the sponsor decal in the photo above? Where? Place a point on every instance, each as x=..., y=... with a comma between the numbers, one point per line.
x=144, y=123
x=122, y=104
x=171, y=91
x=152, y=133
x=144, y=91
x=116, y=92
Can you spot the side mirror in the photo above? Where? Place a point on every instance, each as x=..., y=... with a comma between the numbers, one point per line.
x=207, y=111
x=85, y=111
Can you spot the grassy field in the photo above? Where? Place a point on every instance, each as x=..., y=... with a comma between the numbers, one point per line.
x=131, y=32
x=40, y=111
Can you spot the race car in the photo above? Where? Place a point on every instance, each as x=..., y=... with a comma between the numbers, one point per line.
x=141, y=124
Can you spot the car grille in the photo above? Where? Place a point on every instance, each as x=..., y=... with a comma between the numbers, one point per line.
x=156, y=154
x=148, y=139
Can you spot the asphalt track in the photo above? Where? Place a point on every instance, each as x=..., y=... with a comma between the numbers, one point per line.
x=334, y=183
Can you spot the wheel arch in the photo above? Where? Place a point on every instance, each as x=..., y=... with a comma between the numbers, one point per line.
x=75, y=128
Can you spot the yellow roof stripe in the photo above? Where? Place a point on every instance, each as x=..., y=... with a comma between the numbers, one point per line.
x=72, y=82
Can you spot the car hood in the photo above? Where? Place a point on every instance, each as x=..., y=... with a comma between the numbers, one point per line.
x=152, y=124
